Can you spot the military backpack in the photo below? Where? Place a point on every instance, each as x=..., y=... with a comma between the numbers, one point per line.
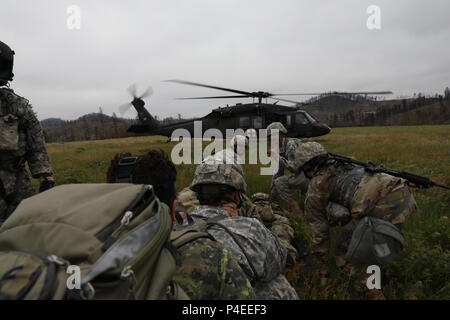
x=90, y=241
x=375, y=241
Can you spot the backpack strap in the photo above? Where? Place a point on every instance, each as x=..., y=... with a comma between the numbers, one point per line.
x=182, y=235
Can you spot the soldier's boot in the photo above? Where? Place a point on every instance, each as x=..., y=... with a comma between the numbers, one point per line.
x=375, y=294
x=296, y=212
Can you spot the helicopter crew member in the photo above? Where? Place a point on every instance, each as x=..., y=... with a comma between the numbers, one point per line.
x=282, y=184
x=378, y=205
x=21, y=140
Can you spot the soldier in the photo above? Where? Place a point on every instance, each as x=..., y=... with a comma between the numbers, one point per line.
x=282, y=184
x=371, y=199
x=21, y=140
x=232, y=154
x=237, y=146
x=207, y=270
x=261, y=210
x=259, y=252
x=273, y=217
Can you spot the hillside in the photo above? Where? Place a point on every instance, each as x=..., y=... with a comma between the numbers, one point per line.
x=341, y=112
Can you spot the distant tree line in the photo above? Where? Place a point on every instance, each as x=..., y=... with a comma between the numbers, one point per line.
x=405, y=111
x=92, y=126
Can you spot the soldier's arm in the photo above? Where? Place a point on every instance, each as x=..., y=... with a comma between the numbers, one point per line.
x=235, y=284
x=319, y=192
x=36, y=156
x=290, y=161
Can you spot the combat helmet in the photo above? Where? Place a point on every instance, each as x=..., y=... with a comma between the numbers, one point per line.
x=6, y=63
x=219, y=173
x=308, y=151
x=276, y=125
x=260, y=196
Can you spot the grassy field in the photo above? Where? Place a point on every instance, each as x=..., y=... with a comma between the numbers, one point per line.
x=422, y=271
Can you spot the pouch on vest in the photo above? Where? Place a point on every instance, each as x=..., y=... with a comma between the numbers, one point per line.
x=374, y=241
x=9, y=133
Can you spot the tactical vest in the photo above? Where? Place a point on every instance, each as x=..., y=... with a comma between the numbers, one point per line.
x=9, y=125
x=346, y=185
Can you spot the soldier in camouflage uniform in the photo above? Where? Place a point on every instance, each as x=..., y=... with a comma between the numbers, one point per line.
x=206, y=269
x=259, y=208
x=258, y=251
x=283, y=184
x=234, y=152
x=362, y=193
x=21, y=140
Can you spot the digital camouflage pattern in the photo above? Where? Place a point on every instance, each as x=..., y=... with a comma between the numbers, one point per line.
x=270, y=214
x=283, y=184
x=219, y=173
x=276, y=289
x=15, y=185
x=263, y=249
x=273, y=217
x=207, y=271
x=378, y=195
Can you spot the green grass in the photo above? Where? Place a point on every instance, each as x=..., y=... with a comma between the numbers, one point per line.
x=422, y=271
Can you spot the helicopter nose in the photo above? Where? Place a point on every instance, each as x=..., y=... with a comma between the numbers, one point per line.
x=322, y=129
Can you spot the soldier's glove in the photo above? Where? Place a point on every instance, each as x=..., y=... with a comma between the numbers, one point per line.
x=337, y=215
x=46, y=183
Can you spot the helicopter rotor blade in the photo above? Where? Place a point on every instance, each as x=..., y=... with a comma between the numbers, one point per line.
x=211, y=87
x=368, y=92
x=124, y=108
x=296, y=94
x=147, y=93
x=285, y=100
x=132, y=90
x=217, y=97
x=335, y=92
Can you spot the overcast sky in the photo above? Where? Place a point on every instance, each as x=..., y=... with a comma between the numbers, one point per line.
x=278, y=46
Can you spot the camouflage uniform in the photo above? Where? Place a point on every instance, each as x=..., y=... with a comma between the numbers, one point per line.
x=273, y=217
x=260, y=208
x=208, y=272
x=283, y=184
x=21, y=140
x=263, y=253
x=377, y=195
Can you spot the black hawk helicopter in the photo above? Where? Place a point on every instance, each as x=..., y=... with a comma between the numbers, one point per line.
x=255, y=115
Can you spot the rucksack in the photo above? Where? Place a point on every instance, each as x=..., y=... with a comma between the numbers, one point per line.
x=374, y=241
x=117, y=235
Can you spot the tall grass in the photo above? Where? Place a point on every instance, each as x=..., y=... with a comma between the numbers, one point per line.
x=422, y=271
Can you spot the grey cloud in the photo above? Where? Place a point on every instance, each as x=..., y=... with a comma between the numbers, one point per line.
x=279, y=46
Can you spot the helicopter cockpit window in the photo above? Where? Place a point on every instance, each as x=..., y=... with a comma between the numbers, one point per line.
x=244, y=122
x=300, y=118
x=289, y=120
x=257, y=122
x=310, y=118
